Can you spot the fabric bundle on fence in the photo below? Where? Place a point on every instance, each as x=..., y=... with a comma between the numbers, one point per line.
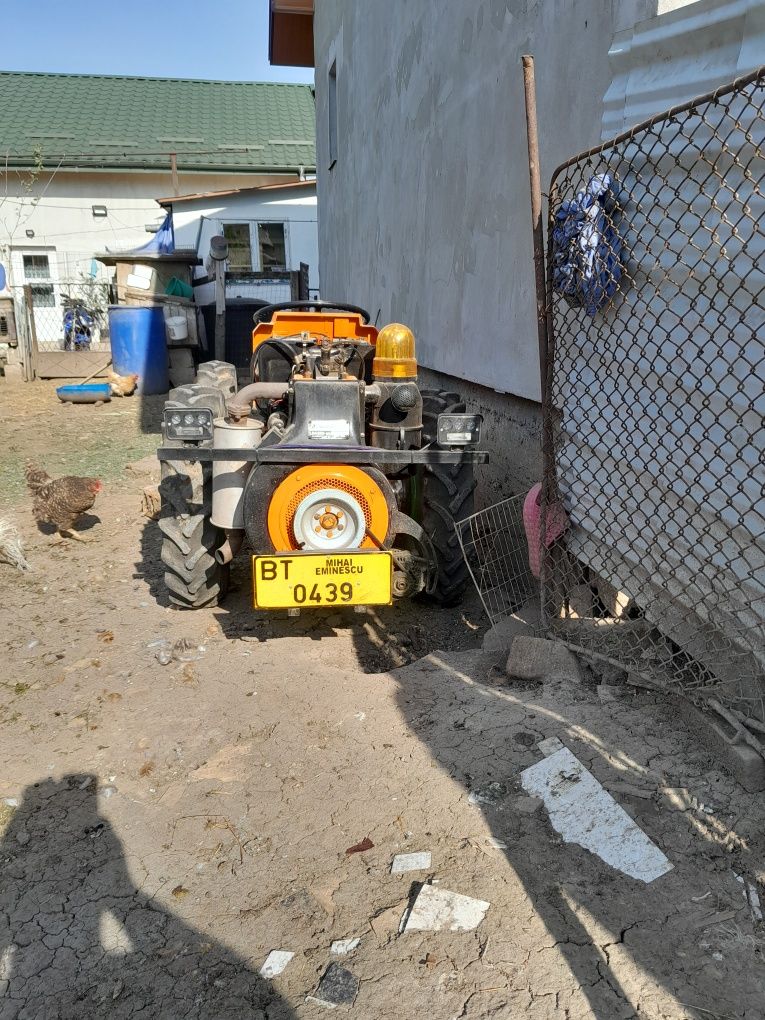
x=587, y=246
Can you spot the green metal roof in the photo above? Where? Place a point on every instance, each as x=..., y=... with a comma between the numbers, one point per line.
x=103, y=121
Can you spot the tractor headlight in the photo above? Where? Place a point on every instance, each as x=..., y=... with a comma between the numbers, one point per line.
x=193, y=424
x=459, y=429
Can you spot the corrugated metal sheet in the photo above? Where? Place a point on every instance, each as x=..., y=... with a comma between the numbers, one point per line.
x=697, y=543
x=672, y=58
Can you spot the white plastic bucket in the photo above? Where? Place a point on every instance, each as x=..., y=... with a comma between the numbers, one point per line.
x=177, y=327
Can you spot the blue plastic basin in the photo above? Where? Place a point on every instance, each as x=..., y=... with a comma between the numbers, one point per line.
x=84, y=393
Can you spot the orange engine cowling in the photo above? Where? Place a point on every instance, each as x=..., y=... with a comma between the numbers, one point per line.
x=328, y=508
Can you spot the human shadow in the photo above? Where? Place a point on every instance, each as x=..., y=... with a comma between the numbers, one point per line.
x=79, y=940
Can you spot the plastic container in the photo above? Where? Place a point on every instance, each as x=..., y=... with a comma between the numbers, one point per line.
x=177, y=288
x=84, y=393
x=229, y=476
x=139, y=345
x=177, y=327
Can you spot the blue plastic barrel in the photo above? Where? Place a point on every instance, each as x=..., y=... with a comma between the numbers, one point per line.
x=137, y=334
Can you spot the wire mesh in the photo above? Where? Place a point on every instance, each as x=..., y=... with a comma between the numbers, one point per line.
x=494, y=545
x=66, y=315
x=655, y=401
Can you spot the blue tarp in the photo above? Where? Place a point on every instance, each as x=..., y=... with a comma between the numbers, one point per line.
x=163, y=242
x=587, y=247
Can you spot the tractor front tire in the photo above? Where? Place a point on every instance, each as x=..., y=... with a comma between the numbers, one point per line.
x=447, y=496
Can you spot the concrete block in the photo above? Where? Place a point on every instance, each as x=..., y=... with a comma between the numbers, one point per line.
x=714, y=734
x=500, y=637
x=618, y=603
x=534, y=658
x=581, y=603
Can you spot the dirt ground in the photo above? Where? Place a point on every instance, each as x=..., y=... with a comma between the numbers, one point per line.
x=164, y=827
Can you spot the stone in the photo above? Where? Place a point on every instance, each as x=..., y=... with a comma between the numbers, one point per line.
x=437, y=909
x=403, y=863
x=527, y=621
x=617, y=603
x=275, y=963
x=491, y=793
x=714, y=734
x=581, y=603
x=338, y=987
x=526, y=805
x=608, y=693
x=148, y=465
x=342, y=947
x=534, y=658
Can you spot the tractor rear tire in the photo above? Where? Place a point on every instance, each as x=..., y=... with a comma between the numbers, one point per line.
x=193, y=577
x=448, y=496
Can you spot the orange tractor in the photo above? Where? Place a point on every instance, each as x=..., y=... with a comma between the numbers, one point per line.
x=344, y=477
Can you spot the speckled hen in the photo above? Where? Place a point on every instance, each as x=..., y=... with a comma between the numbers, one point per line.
x=61, y=501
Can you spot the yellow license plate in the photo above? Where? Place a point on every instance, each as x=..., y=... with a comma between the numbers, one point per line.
x=315, y=580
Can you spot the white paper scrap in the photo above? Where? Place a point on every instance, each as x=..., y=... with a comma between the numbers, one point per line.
x=275, y=963
x=341, y=947
x=583, y=812
x=441, y=910
x=411, y=862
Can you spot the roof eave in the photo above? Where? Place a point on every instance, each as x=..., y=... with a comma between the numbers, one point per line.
x=290, y=33
x=183, y=168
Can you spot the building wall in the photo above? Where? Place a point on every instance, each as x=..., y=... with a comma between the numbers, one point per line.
x=425, y=215
x=426, y=210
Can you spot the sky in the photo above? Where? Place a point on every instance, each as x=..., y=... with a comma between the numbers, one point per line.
x=227, y=39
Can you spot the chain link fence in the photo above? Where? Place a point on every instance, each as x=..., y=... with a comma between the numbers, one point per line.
x=654, y=411
x=65, y=314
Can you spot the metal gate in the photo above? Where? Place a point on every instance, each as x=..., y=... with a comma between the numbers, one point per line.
x=55, y=347
x=654, y=409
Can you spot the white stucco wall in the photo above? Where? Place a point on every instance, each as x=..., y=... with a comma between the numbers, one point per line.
x=58, y=209
x=198, y=220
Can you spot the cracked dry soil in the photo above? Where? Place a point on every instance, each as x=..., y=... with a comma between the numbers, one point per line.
x=163, y=828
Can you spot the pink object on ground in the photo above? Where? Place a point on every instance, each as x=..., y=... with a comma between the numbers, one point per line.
x=556, y=525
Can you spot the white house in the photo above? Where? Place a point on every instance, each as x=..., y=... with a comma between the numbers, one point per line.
x=84, y=157
x=268, y=227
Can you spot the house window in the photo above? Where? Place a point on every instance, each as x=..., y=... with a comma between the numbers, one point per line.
x=43, y=296
x=273, y=254
x=37, y=267
x=239, y=247
x=332, y=113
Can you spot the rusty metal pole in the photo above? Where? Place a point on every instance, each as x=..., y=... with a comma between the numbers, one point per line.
x=540, y=285
x=535, y=182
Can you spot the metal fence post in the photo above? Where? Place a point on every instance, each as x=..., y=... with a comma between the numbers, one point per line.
x=30, y=342
x=535, y=183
